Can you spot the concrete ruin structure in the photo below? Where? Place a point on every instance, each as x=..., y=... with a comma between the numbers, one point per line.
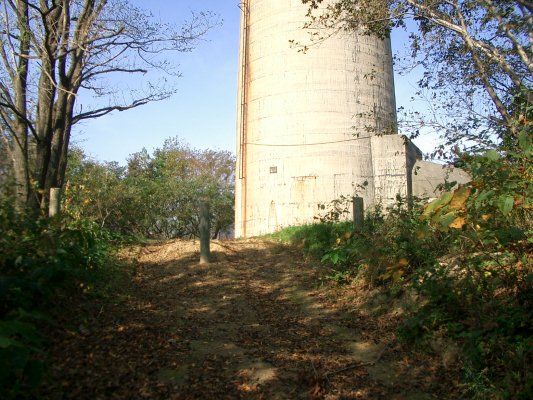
x=316, y=125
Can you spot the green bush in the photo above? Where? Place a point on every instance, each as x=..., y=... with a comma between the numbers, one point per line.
x=21, y=354
x=468, y=253
x=315, y=239
x=481, y=294
x=41, y=261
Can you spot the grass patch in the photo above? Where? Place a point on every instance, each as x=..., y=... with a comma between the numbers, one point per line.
x=469, y=263
x=315, y=239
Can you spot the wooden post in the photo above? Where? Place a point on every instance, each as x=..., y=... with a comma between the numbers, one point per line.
x=55, y=202
x=358, y=213
x=205, y=233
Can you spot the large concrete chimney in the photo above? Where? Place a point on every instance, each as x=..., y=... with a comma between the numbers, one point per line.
x=310, y=124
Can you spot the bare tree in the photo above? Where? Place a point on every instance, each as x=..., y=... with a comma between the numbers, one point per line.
x=476, y=57
x=51, y=51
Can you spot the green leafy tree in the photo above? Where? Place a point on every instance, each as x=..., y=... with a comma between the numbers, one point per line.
x=155, y=196
x=475, y=56
x=187, y=176
x=94, y=189
x=51, y=52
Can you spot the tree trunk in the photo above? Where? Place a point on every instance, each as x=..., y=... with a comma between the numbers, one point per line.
x=21, y=150
x=20, y=170
x=63, y=151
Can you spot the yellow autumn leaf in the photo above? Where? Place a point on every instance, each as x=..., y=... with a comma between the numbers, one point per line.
x=397, y=275
x=386, y=275
x=460, y=197
x=458, y=223
x=403, y=262
x=433, y=207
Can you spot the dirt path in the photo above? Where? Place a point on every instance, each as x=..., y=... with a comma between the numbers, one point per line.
x=251, y=325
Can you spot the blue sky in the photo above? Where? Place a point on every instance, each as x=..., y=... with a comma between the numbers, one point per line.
x=203, y=112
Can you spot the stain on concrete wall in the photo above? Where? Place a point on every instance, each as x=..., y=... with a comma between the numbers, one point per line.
x=313, y=126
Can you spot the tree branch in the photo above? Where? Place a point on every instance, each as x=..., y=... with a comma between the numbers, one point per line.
x=505, y=28
x=111, y=70
x=526, y=4
x=106, y=110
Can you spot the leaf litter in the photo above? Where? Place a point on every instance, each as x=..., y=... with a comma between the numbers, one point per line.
x=253, y=324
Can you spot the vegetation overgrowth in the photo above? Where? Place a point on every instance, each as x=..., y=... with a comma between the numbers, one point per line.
x=155, y=196
x=467, y=254
x=45, y=263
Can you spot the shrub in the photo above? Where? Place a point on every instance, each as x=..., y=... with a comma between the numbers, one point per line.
x=41, y=261
x=315, y=239
x=480, y=294
x=468, y=253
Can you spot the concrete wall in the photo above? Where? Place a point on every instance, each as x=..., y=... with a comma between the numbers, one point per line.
x=427, y=177
x=306, y=121
x=390, y=164
x=311, y=126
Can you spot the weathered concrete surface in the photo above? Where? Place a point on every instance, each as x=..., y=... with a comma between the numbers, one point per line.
x=427, y=177
x=305, y=120
x=313, y=126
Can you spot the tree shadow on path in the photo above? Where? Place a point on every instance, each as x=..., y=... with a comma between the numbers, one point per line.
x=252, y=324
